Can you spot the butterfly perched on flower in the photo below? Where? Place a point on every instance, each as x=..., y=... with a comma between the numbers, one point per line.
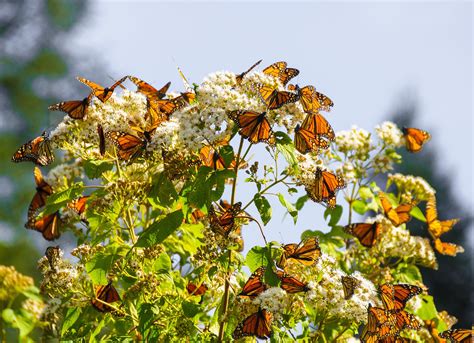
x=239, y=78
x=76, y=109
x=280, y=71
x=306, y=141
x=325, y=187
x=257, y=324
x=254, y=126
x=395, y=297
x=380, y=324
x=211, y=157
x=148, y=90
x=306, y=253
x=311, y=100
x=415, y=138
x=48, y=225
x=458, y=335
x=102, y=93
x=37, y=150
x=319, y=126
x=129, y=146
x=43, y=190
x=254, y=285
x=291, y=284
x=349, y=284
x=105, y=293
x=166, y=107
x=53, y=254
x=366, y=233
x=223, y=222
x=193, y=289
x=398, y=215
x=273, y=98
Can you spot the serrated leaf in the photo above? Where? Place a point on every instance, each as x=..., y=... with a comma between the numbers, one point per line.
x=263, y=207
x=257, y=257
x=94, y=169
x=289, y=207
x=160, y=230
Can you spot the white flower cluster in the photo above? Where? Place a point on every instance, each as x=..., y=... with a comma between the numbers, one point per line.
x=390, y=134
x=412, y=186
x=59, y=177
x=354, y=142
x=307, y=168
x=274, y=300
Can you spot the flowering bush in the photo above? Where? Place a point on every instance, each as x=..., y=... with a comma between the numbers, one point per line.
x=159, y=250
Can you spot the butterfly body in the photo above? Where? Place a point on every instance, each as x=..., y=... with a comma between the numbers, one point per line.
x=254, y=285
x=291, y=284
x=274, y=98
x=257, y=324
x=129, y=146
x=349, y=284
x=239, y=78
x=76, y=109
x=325, y=187
x=148, y=90
x=254, y=126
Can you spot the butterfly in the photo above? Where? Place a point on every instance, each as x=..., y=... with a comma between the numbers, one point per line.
x=79, y=205
x=395, y=297
x=148, y=90
x=280, y=71
x=306, y=253
x=166, y=107
x=403, y=320
x=43, y=190
x=306, y=141
x=254, y=285
x=445, y=248
x=349, y=284
x=53, y=254
x=76, y=109
x=37, y=150
x=380, y=324
x=458, y=335
x=195, y=290
x=211, y=158
x=399, y=215
x=257, y=324
x=129, y=146
x=105, y=293
x=437, y=227
x=291, y=284
x=239, y=78
x=311, y=100
x=223, y=222
x=254, y=126
x=274, y=98
x=366, y=233
x=415, y=138
x=325, y=187
x=102, y=93
x=319, y=126
x=47, y=225
x=100, y=132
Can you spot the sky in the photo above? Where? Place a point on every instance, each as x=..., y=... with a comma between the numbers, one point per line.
x=370, y=58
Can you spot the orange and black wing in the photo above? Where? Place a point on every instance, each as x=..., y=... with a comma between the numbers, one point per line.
x=325, y=186
x=415, y=138
x=254, y=285
x=105, y=293
x=319, y=126
x=148, y=90
x=349, y=284
x=395, y=297
x=48, y=225
x=102, y=93
x=403, y=320
x=76, y=109
x=306, y=141
x=280, y=71
x=291, y=284
x=436, y=227
x=445, y=248
x=43, y=190
x=306, y=253
x=79, y=205
x=397, y=216
x=37, y=150
x=223, y=222
x=240, y=77
x=129, y=146
x=458, y=335
x=211, y=158
x=196, y=290
x=254, y=126
x=273, y=98
x=367, y=234
x=313, y=101
x=257, y=324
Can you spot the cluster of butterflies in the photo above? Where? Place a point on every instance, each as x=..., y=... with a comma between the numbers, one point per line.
x=368, y=234
x=259, y=323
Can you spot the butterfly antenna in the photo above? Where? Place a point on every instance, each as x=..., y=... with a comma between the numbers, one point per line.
x=185, y=81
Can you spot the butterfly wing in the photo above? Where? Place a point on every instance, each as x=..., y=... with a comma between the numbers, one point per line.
x=148, y=90
x=102, y=93
x=257, y=324
x=436, y=227
x=195, y=290
x=275, y=69
x=79, y=205
x=325, y=186
x=76, y=109
x=291, y=284
x=349, y=284
x=273, y=98
x=106, y=293
x=313, y=101
x=47, y=225
x=406, y=320
x=319, y=126
x=253, y=126
x=254, y=285
x=211, y=158
x=458, y=335
x=306, y=253
x=240, y=77
x=37, y=150
x=445, y=248
x=395, y=297
x=129, y=146
x=415, y=138
x=366, y=233
x=43, y=190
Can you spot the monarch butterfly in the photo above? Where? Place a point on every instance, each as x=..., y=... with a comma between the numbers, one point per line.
x=274, y=98
x=254, y=285
x=445, y=248
x=458, y=335
x=397, y=216
x=291, y=284
x=53, y=254
x=167, y=107
x=366, y=233
x=100, y=132
x=129, y=146
x=380, y=324
x=223, y=222
x=79, y=205
x=43, y=190
x=37, y=150
x=254, y=126
x=311, y=100
x=195, y=290
x=257, y=324
x=403, y=319
x=76, y=109
x=280, y=71
x=395, y=297
x=349, y=284
x=105, y=293
x=211, y=158
x=325, y=187
x=415, y=138
x=239, y=78
x=47, y=225
x=306, y=253
x=306, y=141
x=319, y=126
x=148, y=90
x=437, y=227
x=101, y=93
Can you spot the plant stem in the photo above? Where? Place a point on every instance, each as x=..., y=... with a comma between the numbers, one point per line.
x=236, y=170
x=131, y=231
x=265, y=189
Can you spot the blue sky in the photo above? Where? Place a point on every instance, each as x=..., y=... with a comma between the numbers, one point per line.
x=368, y=57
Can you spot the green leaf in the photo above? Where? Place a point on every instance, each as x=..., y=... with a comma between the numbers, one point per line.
x=365, y=193
x=162, y=264
x=160, y=230
x=190, y=309
x=162, y=191
x=70, y=319
x=284, y=145
x=227, y=153
x=257, y=257
x=408, y=273
x=301, y=201
x=94, y=169
x=289, y=207
x=8, y=315
x=427, y=310
x=60, y=199
x=270, y=277
x=147, y=315
x=263, y=207
x=359, y=206
x=99, y=265
x=418, y=214
x=335, y=213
